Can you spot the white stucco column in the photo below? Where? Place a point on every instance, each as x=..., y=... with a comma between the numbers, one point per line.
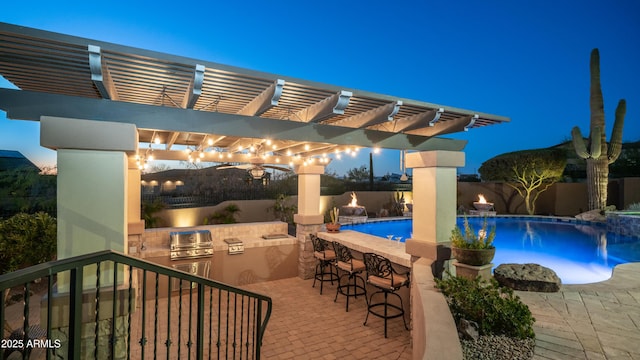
x=434, y=201
x=135, y=225
x=93, y=186
x=309, y=195
x=309, y=219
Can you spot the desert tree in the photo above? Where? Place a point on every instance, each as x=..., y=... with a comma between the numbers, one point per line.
x=529, y=172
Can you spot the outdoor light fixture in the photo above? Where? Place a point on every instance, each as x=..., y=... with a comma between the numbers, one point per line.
x=404, y=176
x=257, y=172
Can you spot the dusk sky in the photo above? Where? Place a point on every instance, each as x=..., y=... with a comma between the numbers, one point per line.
x=526, y=60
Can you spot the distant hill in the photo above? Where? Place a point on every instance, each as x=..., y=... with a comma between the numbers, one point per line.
x=11, y=160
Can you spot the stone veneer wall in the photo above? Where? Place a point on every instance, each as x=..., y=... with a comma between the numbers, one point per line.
x=623, y=223
x=306, y=260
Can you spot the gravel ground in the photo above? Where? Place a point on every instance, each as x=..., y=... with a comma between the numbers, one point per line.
x=498, y=348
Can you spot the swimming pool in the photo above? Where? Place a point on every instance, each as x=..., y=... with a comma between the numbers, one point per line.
x=578, y=252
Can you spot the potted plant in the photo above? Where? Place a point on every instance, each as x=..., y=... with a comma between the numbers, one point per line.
x=473, y=248
x=334, y=225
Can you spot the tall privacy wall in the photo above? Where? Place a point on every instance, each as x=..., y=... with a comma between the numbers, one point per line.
x=562, y=199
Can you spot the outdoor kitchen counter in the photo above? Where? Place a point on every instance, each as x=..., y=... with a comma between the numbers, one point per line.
x=260, y=260
x=249, y=242
x=156, y=241
x=363, y=243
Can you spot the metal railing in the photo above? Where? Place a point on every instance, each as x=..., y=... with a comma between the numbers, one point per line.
x=107, y=305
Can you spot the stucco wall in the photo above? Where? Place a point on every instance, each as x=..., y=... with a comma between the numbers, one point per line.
x=260, y=210
x=562, y=199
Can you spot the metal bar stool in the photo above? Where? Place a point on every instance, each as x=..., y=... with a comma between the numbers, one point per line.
x=384, y=277
x=326, y=260
x=352, y=269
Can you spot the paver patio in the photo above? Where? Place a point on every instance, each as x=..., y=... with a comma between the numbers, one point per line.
x=592, y=321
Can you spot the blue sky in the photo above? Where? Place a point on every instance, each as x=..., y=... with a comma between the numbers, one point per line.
x=527, y=60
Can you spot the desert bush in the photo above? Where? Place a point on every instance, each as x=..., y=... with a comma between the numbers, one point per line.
x=496, y=310
x=634, y=207
x=26, y=240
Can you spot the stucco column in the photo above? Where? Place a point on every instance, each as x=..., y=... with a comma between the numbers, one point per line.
x=434, y=202
x=92, y=184
x=309, y=219
x=135, y=225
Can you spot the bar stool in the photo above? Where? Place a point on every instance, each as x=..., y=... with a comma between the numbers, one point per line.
x=384, y=277
x=351, y=268
x=326, y=259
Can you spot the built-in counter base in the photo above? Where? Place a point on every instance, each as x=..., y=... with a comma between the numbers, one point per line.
x=256, y=264
x=262, y=259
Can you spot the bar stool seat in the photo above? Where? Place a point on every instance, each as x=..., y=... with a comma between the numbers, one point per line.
x=388, y=281
x=352, y=269
x=325, y=265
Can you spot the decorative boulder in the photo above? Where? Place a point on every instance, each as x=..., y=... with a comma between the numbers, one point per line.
x=527, y=277
x=592, y=215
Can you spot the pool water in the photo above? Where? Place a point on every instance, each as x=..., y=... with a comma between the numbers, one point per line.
x=578, y=252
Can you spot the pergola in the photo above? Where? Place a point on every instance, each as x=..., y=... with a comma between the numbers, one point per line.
x=112, y=104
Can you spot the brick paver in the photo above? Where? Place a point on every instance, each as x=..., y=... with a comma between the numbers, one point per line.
x=307, y=325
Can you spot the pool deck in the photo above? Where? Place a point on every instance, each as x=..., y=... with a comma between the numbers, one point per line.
x=591, y=321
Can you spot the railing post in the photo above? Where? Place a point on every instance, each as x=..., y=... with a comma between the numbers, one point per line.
x=75, y=312
x=200, y=324
x=258, y=322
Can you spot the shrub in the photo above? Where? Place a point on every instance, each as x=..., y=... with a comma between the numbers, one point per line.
x=26, y=240
x=470, y=240
x=634, y=207
x=495, y=309
x=149, y=211
x=224, y=216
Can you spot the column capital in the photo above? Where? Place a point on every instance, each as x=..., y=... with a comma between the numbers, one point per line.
x=309, y=169
x=308, y=219
x=80, y=134
x=436, y=158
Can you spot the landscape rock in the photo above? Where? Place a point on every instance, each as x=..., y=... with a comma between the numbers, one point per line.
x=468, y=330
x=527, y=277
x=592, y=215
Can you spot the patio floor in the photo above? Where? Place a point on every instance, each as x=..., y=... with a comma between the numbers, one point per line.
x=593, y=321
x=305, y=324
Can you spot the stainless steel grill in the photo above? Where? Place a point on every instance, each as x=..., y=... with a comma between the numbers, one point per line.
x=190, y=244
x=199, y=268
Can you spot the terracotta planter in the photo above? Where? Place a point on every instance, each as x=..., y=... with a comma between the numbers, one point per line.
x=475, y=257
x=332, y=228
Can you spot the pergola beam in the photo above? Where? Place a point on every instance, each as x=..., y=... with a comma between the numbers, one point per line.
x=372, y=117
x=265, y=101
x=172, y=140
x=462, y=123
x=195, y=87
x=326, y=108
x=100, y=74
x=28, y=105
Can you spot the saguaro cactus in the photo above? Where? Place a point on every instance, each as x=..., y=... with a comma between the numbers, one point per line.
x=600, y=154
